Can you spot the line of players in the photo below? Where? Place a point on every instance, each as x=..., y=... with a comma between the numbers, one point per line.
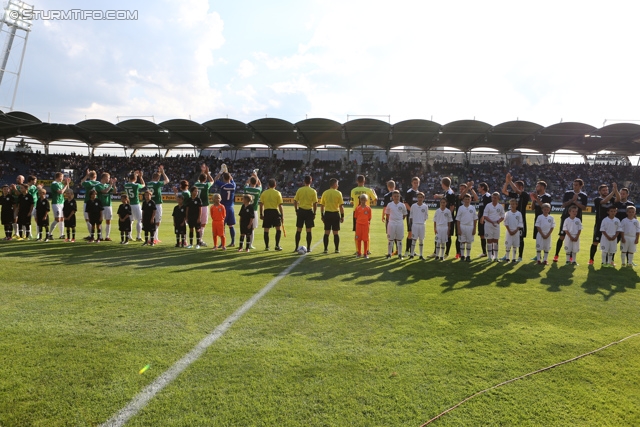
x=461, y=219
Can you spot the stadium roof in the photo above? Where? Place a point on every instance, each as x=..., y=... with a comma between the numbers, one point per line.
x=463, y=135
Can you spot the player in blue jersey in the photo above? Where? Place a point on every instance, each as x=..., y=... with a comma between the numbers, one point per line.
x=227, y=189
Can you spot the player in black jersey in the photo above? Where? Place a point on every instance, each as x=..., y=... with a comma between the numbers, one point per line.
x=574, y=197
x=538, y=198
x=623, y=203
x=515, y=191
x=6, y=201
x=601, y=205
x=484, y=198
x=411, y=197
x=69, y=210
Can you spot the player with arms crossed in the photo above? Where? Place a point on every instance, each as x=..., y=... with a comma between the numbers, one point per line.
x=396, y=213
x=441, y=225
x=386, y=199
x=513, y=223
x=572, y=227
x=610, y=228
x=158, y=180
x=132, y=188
x=574, y=197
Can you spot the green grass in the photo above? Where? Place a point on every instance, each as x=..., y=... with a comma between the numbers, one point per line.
x=339, y=342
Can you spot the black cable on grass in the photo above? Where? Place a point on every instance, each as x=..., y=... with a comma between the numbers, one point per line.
x=526, y=375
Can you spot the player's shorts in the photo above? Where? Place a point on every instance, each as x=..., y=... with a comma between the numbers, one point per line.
x=42, y=222
x=562, y=232
x=362, y=232
x=597, y=234
x=512, y=241
x=480, y=229
x=124, y=225
x=107, y=213
x=466, y=234
x=491, y=232
x=332, y=221
x=149, y=227
x=71, y=222
x=204, y=215
x=57, y=211
x=194, y=224
x=180, y=230
x=24, y=220
x=543, y=244
x=217, y=228
x=244, y=227
x=442, y=233
x=158, y=217
x=271, y=218
x=571, y=247
x=230, y=219
x=417, y=232
x=610, y=246
x=629, y=245
x=136, y=213
x=304, y=218
x=395, y=230
x=94, y=220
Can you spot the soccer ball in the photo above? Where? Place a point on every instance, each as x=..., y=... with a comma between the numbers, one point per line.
x=302, y=250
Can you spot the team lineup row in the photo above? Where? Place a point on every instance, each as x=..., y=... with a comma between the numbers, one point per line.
x=455, y=217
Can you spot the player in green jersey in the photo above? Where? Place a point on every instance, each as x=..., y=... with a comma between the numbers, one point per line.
x=88, y=183
x=33, y=189
x=204, y=184
x=132, y=188
x=105, y=189
x=253, y=187
x=58, y=187
x=158, y=181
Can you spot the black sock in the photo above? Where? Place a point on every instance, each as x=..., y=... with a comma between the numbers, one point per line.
x=325, y=240
x=408, y=247
x=248, y=242
x=266, y=239
x=592, y=251
x=457, y=246
x=241, y=241
x=73, y=233
x=191, y=236
x=558, y=246
x=483, y=244
x=298, y=239
x=308, y=240
x=448, y=248
x=521, y=248
x=278, y=234
x=336, y=241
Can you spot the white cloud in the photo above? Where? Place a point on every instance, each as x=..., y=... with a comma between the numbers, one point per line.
x=246, y=69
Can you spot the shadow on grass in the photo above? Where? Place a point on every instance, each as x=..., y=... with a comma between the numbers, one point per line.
x=609, y=281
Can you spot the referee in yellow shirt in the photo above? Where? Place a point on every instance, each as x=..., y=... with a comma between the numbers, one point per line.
x=332, y=213
x=306, y=203
x=271, y=213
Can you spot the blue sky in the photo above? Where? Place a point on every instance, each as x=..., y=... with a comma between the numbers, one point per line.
x=496, y=61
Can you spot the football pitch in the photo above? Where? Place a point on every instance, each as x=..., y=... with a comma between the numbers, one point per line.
x=338, y=341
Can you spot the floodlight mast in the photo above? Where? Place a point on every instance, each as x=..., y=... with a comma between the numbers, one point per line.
x=14, y=19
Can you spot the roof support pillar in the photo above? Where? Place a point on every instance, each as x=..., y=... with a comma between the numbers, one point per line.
x=89, y=151
x=586, y=159
x=166, y=153
x=4, y=144
x=46, y=149
x=134, y=152
x=93, y=152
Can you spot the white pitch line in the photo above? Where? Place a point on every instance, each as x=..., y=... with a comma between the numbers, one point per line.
x=149, y=392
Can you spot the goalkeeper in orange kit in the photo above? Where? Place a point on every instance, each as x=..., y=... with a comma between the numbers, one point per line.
x=218, y=213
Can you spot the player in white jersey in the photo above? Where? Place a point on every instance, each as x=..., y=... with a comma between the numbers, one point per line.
x=572, y=227
x=466, y=220
x=610, y=228
x=514, y=224
x=418, y=216
x=544, y=225
x=442, y=220
x=630, y=232
x=493, y=216
x=396, y=212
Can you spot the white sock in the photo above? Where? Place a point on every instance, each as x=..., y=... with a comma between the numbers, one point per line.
x=39, y=230
x=53, y=226
x=399, y=243
x=413, y=247
x=421, y=247
x=61, y=224
x=629, y=258
x=513, y=253
x=138, y=229
x=155, y=235
x=15, y=228
x=390, y=247
x=546, y=255
x=107, y=230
